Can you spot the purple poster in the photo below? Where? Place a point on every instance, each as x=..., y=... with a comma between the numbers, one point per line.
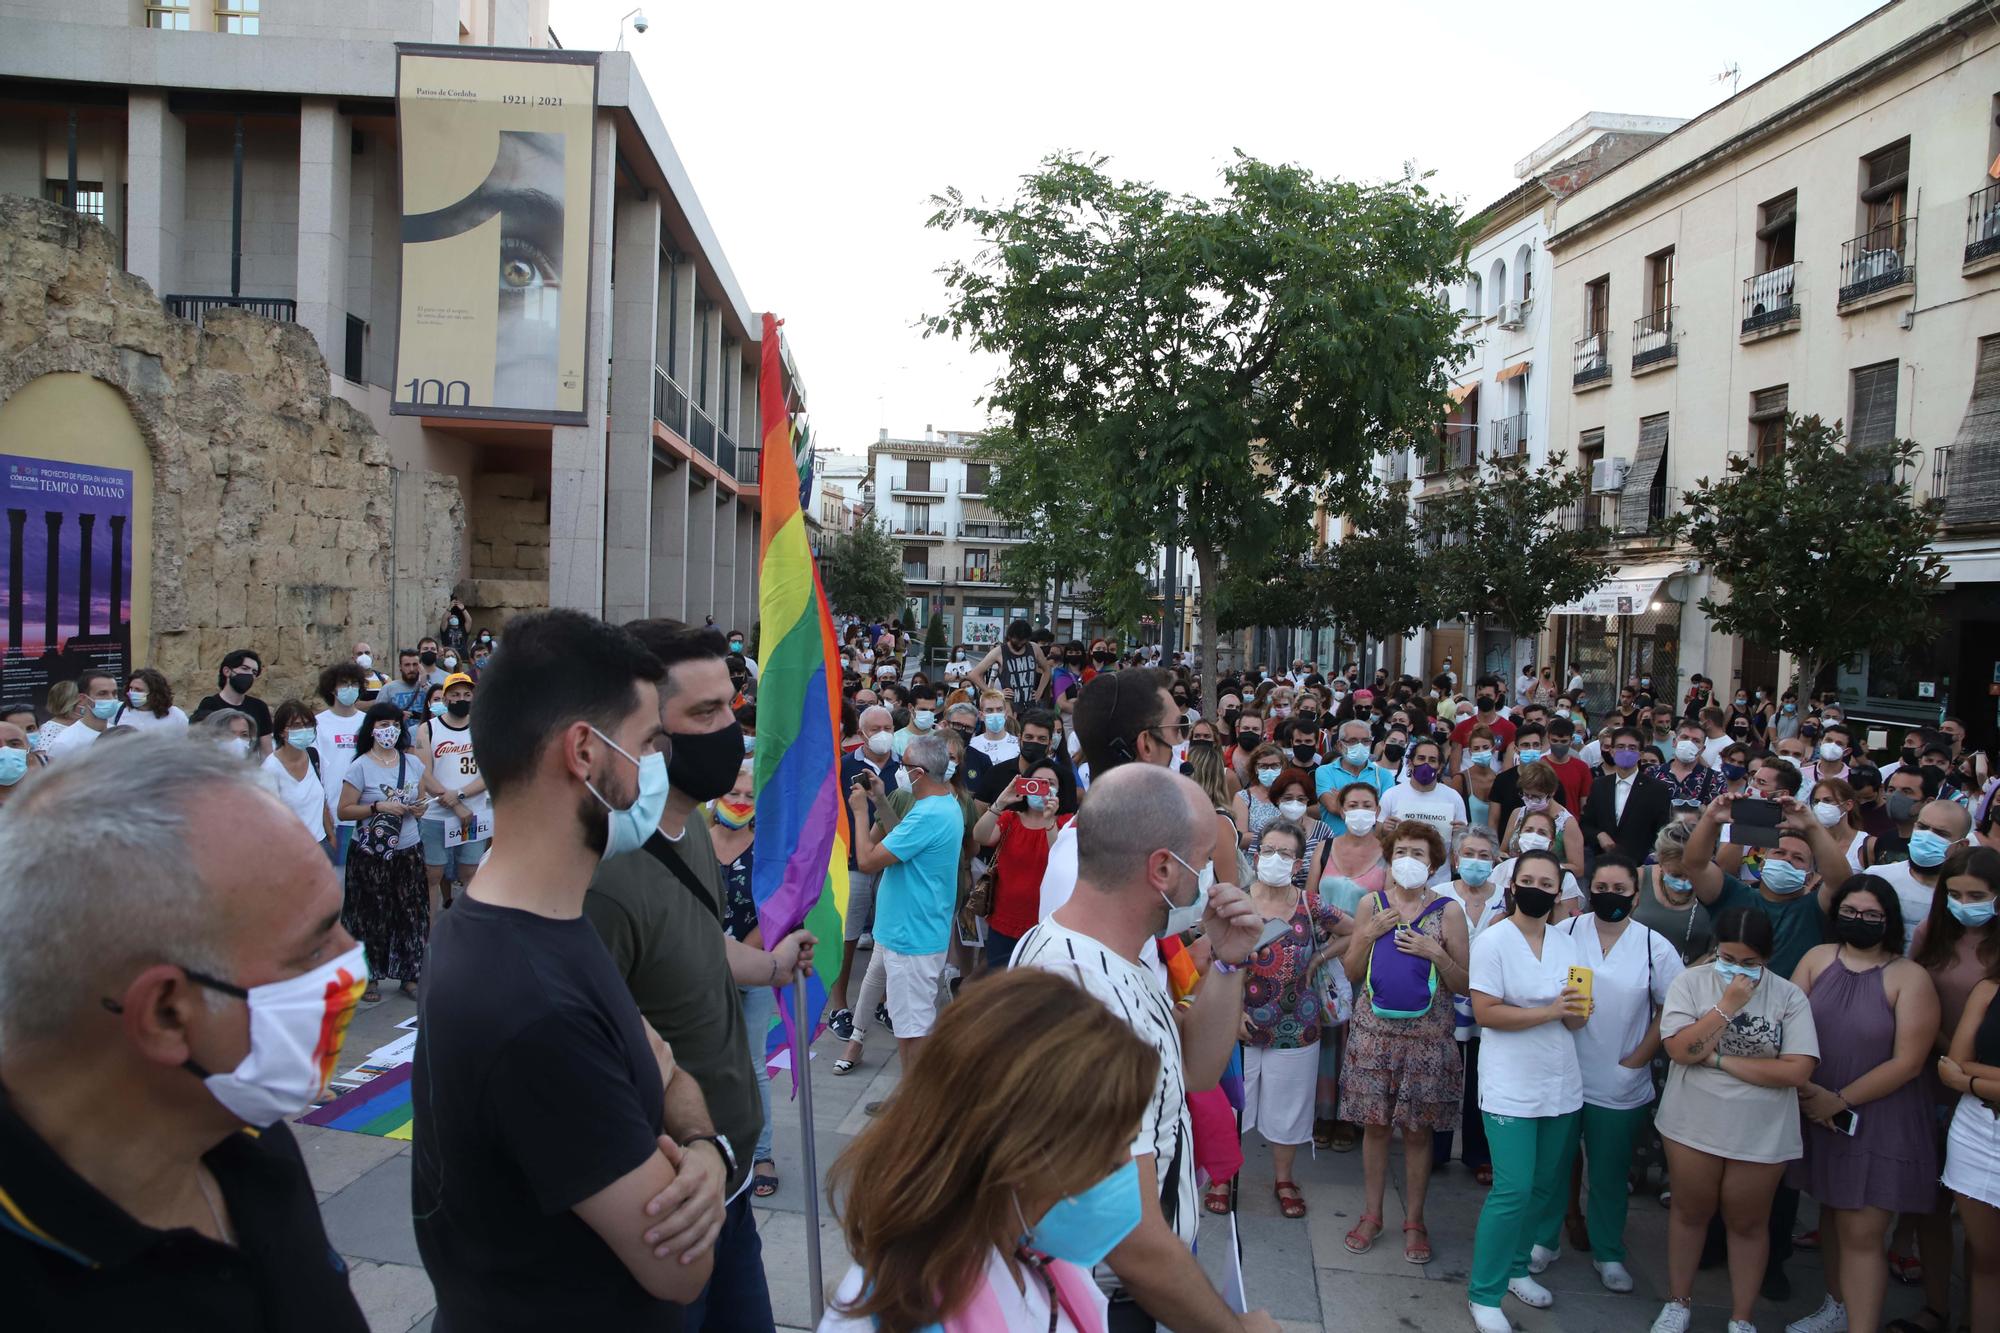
x=68, y=570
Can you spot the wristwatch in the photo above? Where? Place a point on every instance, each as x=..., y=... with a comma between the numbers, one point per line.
x=721, y=1143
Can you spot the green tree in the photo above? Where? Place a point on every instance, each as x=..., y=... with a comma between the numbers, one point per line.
x=1204, y=370
x=1823, y=549
x=864, y=573
x=934, y=640
x=1498, y=548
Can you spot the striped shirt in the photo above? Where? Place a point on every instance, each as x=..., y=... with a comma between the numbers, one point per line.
x=1131, y=990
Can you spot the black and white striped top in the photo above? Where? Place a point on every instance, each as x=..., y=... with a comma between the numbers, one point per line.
x=1135, y=994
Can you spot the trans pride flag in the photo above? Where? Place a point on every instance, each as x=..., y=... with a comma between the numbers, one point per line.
x=799, y=868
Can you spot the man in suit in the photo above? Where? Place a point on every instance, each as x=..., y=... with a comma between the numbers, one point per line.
x=1626, y=809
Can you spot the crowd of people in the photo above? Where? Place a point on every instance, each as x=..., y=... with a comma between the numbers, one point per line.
x=1716, y=949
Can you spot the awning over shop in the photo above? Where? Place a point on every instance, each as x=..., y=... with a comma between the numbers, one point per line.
x=1628, y=592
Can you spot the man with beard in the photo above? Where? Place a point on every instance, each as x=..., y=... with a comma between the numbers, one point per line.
x=541, y=1099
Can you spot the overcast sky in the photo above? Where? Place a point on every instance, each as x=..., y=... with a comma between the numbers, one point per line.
x=816, y=133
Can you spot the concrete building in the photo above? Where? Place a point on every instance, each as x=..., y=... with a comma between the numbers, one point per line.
x=245, y=154
x=1765, y=258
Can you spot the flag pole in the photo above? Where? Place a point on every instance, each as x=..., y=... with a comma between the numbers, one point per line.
x=802, y=1067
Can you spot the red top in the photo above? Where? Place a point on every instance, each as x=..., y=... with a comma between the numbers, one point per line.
x=1018, y=864
x=1502, y=729
x=1574, y=775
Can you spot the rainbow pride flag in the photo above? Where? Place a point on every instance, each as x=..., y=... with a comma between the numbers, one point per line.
x=799, y=869
x=380, y=1107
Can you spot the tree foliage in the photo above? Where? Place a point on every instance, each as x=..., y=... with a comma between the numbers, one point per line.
x=1822, y=549
x=864, y=573
x=1201, y=370
x=1499, y=548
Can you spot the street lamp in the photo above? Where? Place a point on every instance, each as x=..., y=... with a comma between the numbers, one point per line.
x=637, y=17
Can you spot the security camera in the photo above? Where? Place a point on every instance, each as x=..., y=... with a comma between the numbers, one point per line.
x=639, y=23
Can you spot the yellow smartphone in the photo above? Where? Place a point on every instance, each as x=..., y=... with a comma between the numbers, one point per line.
x=1579, y=977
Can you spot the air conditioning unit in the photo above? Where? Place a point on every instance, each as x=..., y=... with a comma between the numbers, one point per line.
x=1510, y=315
x=1608, y=474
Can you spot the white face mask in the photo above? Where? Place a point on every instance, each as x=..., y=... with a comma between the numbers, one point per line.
x=1686, y=751
x=1409, y=872
x=1186, y=917
x=1534, y=842
x=881, y=743
x=1827, y=813
x=235, y=746
x=1274, y=869
x=1361, y=821
x=296, y=1030
x=1292, y=810
x=364, y=660
x=386, y=737
x=1830, y=751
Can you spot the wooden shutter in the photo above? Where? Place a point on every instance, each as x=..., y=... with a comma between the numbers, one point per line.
x=1769, y=404
x=1648, y=464
x=1973, y=475
x=1872, y=422
x=1591, y=439
x=919, y=474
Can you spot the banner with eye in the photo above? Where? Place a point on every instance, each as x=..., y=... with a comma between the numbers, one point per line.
x=496, y=172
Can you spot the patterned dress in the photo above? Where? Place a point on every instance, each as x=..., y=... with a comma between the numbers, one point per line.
x=1403, y=1072
x=1286, y=1007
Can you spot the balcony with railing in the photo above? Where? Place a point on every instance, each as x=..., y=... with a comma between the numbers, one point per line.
x=1654, y=345
x=992, y=532
x=1455, y=450
x=1600, y=513
x=1982, y=229
x=929, y=530
x=988, y=574
x=1591, y=360
x=976, y=487
x=924, y=573
x=1878, y=265
x=725, y=454
x=1594, y=513
x=702, y=434
x=1510, y=436
x=919, y=487
x=747, y=459
x=670, y=403
x=1771, y=302
x=281, y=308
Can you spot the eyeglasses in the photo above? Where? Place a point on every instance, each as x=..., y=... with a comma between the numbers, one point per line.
x=1872, y=918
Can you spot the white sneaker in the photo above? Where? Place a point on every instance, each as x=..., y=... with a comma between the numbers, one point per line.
x=1539, y=1259
x=1531, y=1293
x=1614, y=1276
x=1673, y=1318
x=1831, y=1317
x=1488, y=1318
x=1742, y=1326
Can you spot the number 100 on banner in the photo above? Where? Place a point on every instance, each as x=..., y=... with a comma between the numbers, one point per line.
x=496, y=199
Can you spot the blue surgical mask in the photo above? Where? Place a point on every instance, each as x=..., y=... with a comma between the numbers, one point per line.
x=950, y=770
x=996, y=722
x=104, y=709
x=1966, y=914
x=634, y=824
x=923, y=719
x=437, y=708
x=302, y=738
x=1928, y=849
x=1480, y=759
x=346, y=695
x=1037, y=803
x=1356, y=755
x=1527, y=756
x=1267, y=776
x=1475, y=870
x=1725, y=968
x=14, y=767
x=1783, y=876
x=1085, y=1227
x=1677, y=884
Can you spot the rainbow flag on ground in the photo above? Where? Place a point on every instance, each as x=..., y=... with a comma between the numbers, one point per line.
x=799, y=871
x=381, y=1107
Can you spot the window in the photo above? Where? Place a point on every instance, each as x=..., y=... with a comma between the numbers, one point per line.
x=978, y=477
x=1474, y=301
x=1777, y=231
x=1885, y=191
x=978, y=566
x=917, y=518
x=916, y=562
x=919, y=475
x=354, y=362
x=89, y=197
x=237, y=16
x=702, y=312
x=1524, y=264
x=1597, y=306
x=1767, y=423
x=1871, y=416
x=1497, y=280
x=1590, y=450
x=1660, y=280
x=728, y=422
x=671, y=359
x=169, y=16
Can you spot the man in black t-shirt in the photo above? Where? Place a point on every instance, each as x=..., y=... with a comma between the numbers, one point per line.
x=234, y=680
x=539, y=1094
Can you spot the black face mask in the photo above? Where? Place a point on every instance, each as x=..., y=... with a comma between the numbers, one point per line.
x=1393, y=753
x=459, y=708
x=1363, y=712
x=704, y=766
x=1910, y=758
x=1610, y=906
x=1034, y=752
x=1229, y=719
x=427, y=657
x=1859, y=934
x=1102, y=658
x=1248, y=739
x=1533, y=902
x=1305, y=754
x=242, y=682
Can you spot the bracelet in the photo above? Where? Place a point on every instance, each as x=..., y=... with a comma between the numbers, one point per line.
x=1718, y=1059
x=774, y=970
x=1225, y=968
x=1725, y=1017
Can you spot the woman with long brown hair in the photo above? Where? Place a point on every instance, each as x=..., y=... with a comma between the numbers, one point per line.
x=1001, y=1170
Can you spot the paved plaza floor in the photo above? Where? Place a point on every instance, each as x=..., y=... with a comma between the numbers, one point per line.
x=1298, y=1270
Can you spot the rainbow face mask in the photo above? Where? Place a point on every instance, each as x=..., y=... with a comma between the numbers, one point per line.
x=731, y=815
x=297, y=1027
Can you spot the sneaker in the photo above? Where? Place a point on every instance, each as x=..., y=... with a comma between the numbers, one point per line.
x=1831, y=1317
x=1614, y=1277
x=1741, y=1326
x=1531, y=1293
x=866, y=941
x=1540, y=1258
x=1489, y=1318
x=842, y=1024
x=1673, y=1318
x=882, y=1017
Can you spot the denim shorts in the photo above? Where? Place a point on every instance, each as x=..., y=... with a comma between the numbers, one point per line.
x=437, y=854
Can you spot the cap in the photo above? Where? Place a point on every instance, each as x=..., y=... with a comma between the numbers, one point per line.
x=458, y=678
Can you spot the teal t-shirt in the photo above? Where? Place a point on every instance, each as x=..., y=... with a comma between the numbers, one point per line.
x=1335, y=777
x=915, y=896
x=1797, y=924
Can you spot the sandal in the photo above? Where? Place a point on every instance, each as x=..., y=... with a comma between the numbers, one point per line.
x=1907, y=1269
x=1216, y=1198
x=409, y=988
x=1344, y=1138
x=764, y=1183
x=843, y=1067
x=1291, y=1200
x=1483, y=1174
x=1358, y=1242
x=373, y=995
x=1416, y=1251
